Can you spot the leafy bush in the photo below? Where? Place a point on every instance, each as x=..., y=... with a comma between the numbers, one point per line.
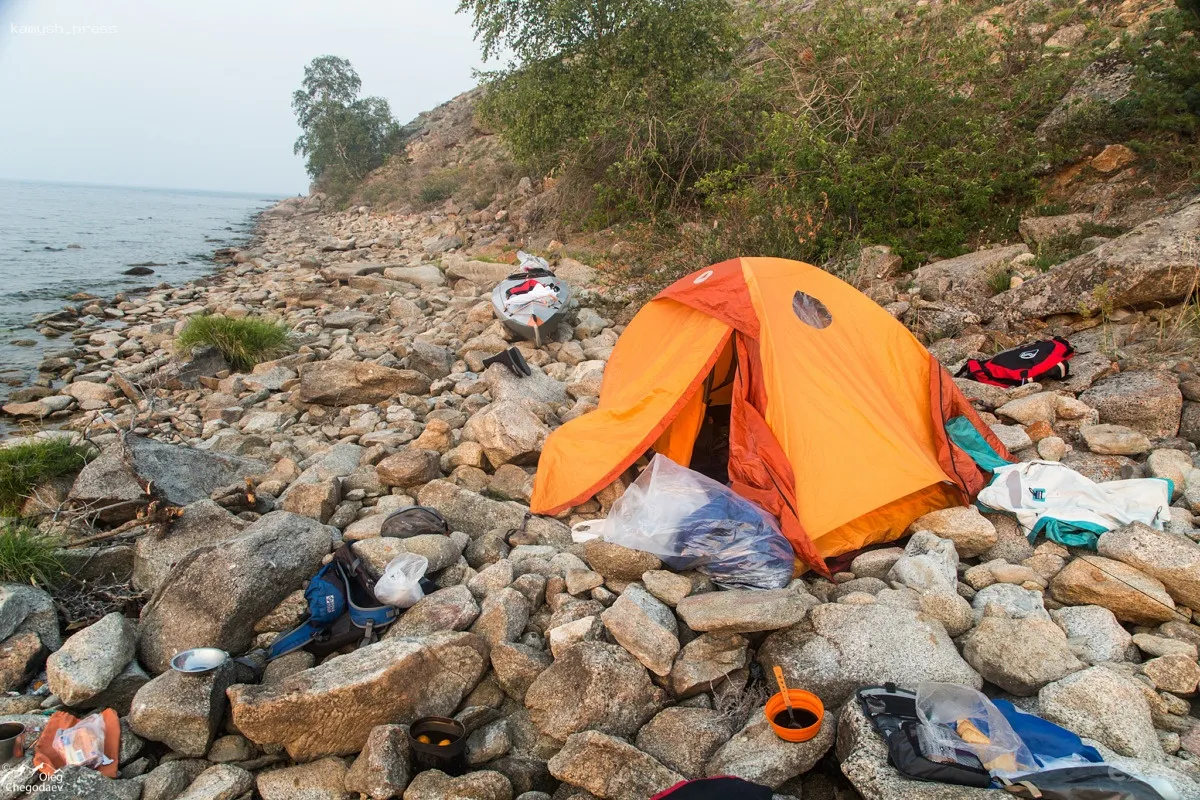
x=243, y=342
x=27, y=555
x=24, y=466
x=595, y=82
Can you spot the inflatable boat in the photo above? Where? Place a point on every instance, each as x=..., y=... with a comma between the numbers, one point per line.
x=531, y=303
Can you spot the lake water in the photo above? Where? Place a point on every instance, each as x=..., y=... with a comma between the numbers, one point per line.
x=113, y=228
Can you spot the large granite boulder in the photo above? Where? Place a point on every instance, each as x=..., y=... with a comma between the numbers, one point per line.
x=593, y=685
x=1098, y=703
x=842, y=647
x=508, y=432
x=202, y=523
x=745, y=610
x=1020, y=655
x=1170, y=558
x=136, y=469
x=1149, y=402
x=348, y=383
x=1127, y=592
x=89, y=661
x=756, y=754
x=181, y=710
x=331, y=709
x=1156, y=262
x=610, y=768
x=216, y=594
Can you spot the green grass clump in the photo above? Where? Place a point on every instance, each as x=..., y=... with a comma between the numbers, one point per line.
x=27, y=555
x=24, y=466
x=243, y=342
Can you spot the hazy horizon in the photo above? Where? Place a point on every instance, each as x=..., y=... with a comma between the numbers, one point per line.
x=167, y=96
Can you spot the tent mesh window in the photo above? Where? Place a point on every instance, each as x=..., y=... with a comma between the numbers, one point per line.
x=811, y=311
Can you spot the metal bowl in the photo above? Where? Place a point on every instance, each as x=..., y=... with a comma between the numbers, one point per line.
x=199, y=659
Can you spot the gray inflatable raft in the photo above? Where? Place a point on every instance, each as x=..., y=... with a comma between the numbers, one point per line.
x=531, y=304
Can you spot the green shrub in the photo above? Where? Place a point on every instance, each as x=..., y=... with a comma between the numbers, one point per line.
x=999, y=281
x=27, y=555
x=439, y=186
x=24, y=466
x=243, y=342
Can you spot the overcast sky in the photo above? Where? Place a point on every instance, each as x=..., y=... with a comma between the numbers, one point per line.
x=197, y=95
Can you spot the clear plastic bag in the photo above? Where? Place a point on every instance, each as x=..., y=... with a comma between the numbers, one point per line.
x=82, y=744
x=400, y=585
x=529, y=262
x=958, y=718
x=692, y=522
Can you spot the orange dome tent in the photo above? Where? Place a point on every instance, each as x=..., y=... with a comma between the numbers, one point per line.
x=842, y=424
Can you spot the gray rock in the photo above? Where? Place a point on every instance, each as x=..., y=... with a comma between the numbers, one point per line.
x=592, y=685
x=1094, y=633
x=508, y=432
x=488, y=743
x=645, y=627
x=684, y=739
x=219, y=782
x=202, y=523
x=41, y=615
x=215, y=595
x=502, y=616
x=756, y=754
x=331, y=709
x=178, y=475
x=230, y=748
x=182, y=710
x=706, y=662
x=1102, y=83
x=843, y=647
x=384, y=767
x=1149, y=402
x=745, y=610
x=446, y=610
x=964, y=279
x=89, y=661
x=1020, y=655
x=610, y=768
x=429, y=359
x=537, y=386
x=929, y=564
x=121, y=690
x=169, y=779
x=517, y=666
x=1100, y=704
x=434, y=784
x=1017, y=602
x=876, y=563
x=323, y=779
x=83, y=783
x=14, y=607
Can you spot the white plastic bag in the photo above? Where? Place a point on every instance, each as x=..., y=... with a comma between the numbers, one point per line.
x=691, y=521
x=400, y=585
x=530, y=262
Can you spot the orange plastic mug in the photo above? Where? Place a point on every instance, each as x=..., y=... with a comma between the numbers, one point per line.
x=808, y=709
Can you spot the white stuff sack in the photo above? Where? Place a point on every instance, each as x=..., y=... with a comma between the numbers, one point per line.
x=400, y=585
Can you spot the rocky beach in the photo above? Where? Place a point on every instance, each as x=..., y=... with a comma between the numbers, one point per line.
x=578, y=670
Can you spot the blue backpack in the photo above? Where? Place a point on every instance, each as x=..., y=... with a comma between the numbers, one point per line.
x=342, y=609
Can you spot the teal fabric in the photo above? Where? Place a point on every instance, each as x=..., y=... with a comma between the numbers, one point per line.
x=1068, y=533
x=965, y=436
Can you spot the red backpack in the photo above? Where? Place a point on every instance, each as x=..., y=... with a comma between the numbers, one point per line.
x=1016, y=367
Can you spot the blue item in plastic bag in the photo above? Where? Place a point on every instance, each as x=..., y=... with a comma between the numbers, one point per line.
x=691, y=521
